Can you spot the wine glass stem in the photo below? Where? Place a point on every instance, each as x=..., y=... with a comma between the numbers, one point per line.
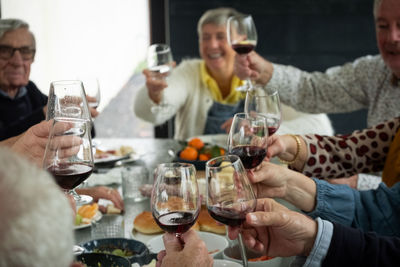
x=178, y=235
x=242, y=250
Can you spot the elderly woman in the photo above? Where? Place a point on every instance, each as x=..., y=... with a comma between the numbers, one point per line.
x=202, y=92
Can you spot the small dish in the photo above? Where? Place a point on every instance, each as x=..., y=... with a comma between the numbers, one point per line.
x=97, y=217
x=214, y=243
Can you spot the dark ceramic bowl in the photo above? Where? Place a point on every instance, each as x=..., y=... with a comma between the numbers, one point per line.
x=198, y=164
x=108, y=245
x=100, y=259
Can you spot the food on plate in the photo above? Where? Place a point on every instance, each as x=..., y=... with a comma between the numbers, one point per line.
x=121, y=151
x=85, y=214
x=115, y=251
x=262, y=258
x=146, y=224
x=111, y=209
x=208, y=224
x=196, y=149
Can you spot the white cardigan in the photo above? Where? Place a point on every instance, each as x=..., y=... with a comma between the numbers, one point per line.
x=190, y=100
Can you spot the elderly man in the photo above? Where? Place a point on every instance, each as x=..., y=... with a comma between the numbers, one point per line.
x=21, y=103
x=369, y=82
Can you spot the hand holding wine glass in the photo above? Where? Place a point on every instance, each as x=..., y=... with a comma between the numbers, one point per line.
x=242, y=36
x=248, y=138
x=175, y=200
x=229, y=193
x=265, y=101
x=160, y=64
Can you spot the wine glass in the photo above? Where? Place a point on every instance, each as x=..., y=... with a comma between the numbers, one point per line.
x=175, y=200
x=229, y=193
x=267, y=103
x=67, y=100
x=160, y=63
x=242, y=36
x=68, y=155
x=92, y=90
x=248, y=138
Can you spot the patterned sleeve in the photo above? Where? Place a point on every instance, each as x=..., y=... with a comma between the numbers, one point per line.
x=345, y=155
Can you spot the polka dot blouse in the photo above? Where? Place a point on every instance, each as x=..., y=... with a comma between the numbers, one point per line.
x=345, y=155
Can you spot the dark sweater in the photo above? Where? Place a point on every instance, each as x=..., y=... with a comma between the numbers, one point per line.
x=20, y=113
x=352, y=247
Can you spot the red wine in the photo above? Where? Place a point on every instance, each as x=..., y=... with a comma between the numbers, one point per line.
x=243, y=48
x=70, y=175
x=272, y=130
x=227, y=216
x=251, y=156
x=177, y=221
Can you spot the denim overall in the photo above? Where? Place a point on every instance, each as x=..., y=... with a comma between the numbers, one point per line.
x=218, y=114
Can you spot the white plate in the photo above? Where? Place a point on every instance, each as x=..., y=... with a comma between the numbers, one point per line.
x=225, y=263
x=213, y=242
x=95, y=218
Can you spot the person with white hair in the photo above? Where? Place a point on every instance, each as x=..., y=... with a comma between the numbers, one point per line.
x=36, y=226
x=202, y=93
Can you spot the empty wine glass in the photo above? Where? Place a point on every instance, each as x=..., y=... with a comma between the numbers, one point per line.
x=67, y=101
x=248, y=138
x=242, y=36
x=68, y=155
x=229, y=193
x=175, y=200
x=160, y=63
x=266, y=102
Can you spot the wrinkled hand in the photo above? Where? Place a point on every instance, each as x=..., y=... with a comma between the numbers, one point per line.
x=194, y=253
x=155, y=84
x=103, y=192
x=253, y=66
x=269, y=180
x=276, y=231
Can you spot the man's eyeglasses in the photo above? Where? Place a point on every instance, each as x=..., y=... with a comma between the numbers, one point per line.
x=7, y=52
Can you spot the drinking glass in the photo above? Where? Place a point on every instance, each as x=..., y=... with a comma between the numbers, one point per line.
x=68, y=155
x=67, y=101
x=175, y=201
x=160, y=63
x=242, y=36
x=248, y=138
x=267, y=103
x=229, y=193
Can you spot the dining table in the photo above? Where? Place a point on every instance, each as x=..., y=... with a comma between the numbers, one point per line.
x=147, y=152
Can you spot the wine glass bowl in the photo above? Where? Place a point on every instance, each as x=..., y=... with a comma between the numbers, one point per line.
x=229, y=193
x=248, y=138
x=175, y=200
x=266, y=102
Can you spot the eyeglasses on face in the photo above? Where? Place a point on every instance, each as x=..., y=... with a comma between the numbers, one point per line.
x=7, y=52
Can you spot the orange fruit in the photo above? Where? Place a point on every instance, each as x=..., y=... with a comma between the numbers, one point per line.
x=189, y=153
x=196, y=143
x=88, y=211
x=222, y=151
x=204, y=157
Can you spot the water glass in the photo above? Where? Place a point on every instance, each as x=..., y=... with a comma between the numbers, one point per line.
x=132, y=178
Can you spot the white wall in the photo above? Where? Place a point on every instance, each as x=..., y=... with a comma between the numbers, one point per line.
x=75, y=38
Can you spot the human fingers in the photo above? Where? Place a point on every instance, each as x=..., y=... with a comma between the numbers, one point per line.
x=93, y=112
x=160, y=257
x=42, y=129
x=241, y=67
x=171, y=243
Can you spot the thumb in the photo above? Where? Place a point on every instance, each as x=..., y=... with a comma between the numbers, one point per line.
x=171, y=243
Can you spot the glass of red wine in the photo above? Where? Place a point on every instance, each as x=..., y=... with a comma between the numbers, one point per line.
x=160, y=63
x=265, y=101
x=67, y=103
x=242, y=36
x=229, y=193
x=248, y=138
x=175, y=200
x=68, y=155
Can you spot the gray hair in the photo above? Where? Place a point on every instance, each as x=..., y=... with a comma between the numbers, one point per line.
x=36, y=226
x=7, y=25
x=217, y=16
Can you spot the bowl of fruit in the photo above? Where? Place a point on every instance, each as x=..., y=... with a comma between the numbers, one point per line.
x=197, y=152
